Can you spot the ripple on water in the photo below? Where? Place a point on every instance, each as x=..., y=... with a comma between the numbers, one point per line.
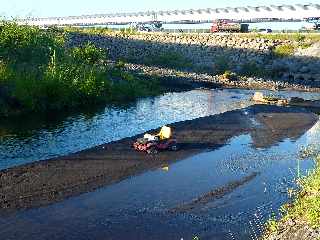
x=43, y=137
x=138, y=207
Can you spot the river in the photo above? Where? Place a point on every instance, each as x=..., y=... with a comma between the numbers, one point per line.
x=141, y=207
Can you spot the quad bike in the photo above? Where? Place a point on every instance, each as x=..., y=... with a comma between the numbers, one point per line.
x=152, y=144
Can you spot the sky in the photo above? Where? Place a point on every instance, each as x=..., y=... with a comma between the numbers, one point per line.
x=50, y=8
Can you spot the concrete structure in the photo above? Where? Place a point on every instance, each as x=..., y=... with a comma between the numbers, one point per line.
x=283, y=12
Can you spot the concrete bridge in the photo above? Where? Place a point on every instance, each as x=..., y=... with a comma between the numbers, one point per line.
x=259, y=13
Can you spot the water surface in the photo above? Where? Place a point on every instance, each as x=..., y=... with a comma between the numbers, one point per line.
x=35, y=138
x=140, y=207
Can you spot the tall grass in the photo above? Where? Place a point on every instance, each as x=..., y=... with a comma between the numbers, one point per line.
x=306, y=206
x=38, y=73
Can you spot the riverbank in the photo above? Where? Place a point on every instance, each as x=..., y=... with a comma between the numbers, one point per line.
x=293, y=61
x=301, y=217
x=63, y=69
x=38, y=73
x=173, y=78
x=45, y=182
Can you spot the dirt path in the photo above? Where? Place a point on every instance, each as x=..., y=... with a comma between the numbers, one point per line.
x=45, y=182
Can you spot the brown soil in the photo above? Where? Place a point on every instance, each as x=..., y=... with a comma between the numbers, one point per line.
x=53, y=180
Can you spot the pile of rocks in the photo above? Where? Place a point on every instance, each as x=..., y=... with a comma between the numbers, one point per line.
x=212, y=53
x=201, y=49
x=185, y=78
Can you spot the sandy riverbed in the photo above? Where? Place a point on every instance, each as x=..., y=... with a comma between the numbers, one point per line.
x=44, y=182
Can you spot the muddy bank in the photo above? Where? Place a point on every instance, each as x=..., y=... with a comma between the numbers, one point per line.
x=53, y=180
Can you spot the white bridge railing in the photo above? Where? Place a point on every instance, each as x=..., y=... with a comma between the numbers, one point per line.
x=284, y=12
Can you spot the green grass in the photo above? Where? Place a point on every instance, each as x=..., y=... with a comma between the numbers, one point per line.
x=305, y=207
x=296, y=37
x=102, y=31
x=284, y=50
x=38, y=73
x=307, y=203
x=304, y=45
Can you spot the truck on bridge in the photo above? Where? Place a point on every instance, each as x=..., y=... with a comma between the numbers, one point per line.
x=228, y=26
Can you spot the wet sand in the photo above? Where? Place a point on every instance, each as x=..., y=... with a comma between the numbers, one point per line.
x=45, y=182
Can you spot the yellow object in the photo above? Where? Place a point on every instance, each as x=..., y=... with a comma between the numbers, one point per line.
x=166, y=168
x=165, y=133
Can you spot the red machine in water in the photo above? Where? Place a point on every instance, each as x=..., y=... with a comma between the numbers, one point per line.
x=152, y=144
x=228, y=26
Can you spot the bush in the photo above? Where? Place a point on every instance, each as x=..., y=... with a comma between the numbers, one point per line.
x=88, y=54
x=25, y=44
x=230, y=75
x=40, y=74
x=283, y=50
x=304, y=45
x=299, y=37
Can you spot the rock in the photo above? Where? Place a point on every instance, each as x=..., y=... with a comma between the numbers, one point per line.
x=258, y=97
x=304, y=69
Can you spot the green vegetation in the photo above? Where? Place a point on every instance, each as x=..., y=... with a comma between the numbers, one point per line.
x=295, y=41
x=38, y=73
x=304, y=45
x=231, y=76
x=307, y=203
x=284, y=50
x=305, y=208
x=295, y=37
x=272, y=224
x=102, y=30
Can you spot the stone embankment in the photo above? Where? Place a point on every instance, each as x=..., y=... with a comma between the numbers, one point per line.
x=212, y=54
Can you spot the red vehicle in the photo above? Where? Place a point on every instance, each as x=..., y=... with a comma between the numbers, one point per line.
x=153, y=147
x=228, y=26
x=159, y=142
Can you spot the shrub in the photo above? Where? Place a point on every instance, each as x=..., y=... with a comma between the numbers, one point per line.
x=230, y=75
x=304, y=45
x=283, y=50
x=299, y=37
x=25, y=44
x=88, y=54
x=39, y=74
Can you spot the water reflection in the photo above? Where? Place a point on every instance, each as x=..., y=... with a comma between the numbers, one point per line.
x=138, y=208
x=45, y=137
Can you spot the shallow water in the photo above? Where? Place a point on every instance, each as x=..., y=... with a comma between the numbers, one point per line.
x=30, y=139
x=140, y=207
